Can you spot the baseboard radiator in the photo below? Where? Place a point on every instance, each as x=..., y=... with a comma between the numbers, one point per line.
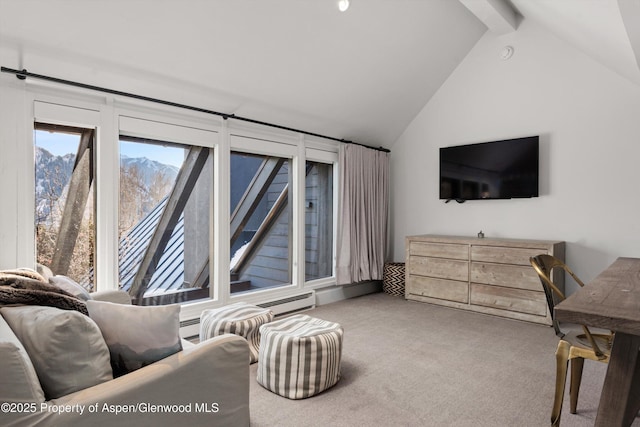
x=190, y=328
x=292, y=304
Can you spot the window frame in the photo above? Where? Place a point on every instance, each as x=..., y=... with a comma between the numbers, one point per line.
x=82, y=108
x=185, y=133
x=244, y=141
x=324, y=154
x=81, y=133
x=79, y=115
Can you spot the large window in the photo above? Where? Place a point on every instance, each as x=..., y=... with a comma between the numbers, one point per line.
x=147, y=202
x=164, y=220
x=64, y=201
x=260, y=224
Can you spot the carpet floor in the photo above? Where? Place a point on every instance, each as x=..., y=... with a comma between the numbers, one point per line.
x=406, y=363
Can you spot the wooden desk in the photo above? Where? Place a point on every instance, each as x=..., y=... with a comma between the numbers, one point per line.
x=612, y=301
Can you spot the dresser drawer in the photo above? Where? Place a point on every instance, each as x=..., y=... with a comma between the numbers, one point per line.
x=518, y=300
x=439, y=250
x=511, y=276
x=503, y=255
x=438, y=268
x=450, y=290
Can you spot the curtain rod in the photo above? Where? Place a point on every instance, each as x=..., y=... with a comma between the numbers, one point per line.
x=23, y=74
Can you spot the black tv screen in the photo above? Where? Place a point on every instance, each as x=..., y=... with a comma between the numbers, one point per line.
x=491, y=170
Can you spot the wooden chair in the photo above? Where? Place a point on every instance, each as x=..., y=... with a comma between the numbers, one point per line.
x=573, y=346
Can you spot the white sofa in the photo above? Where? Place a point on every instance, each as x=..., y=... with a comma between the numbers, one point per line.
x=203, y=384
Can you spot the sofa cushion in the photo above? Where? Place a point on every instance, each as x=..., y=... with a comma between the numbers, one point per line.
x=137, y=336
x=71, y=286
x=112, y=295
x=19, y=381
x=66, y=348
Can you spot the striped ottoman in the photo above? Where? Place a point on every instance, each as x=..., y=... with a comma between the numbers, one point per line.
x=240, y=319
x=299, y=356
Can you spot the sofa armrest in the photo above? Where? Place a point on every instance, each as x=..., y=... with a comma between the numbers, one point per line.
x=207, y=384
x=117, y=296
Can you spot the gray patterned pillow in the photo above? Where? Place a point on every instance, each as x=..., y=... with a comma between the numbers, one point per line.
x=137, y=336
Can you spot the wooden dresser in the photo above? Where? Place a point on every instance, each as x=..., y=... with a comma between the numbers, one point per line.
x=486, y=275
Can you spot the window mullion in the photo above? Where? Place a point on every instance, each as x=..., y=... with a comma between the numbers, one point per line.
x=299, y=178
x=107, y=200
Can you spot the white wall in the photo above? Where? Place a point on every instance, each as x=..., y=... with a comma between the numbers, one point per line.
x=588, y=119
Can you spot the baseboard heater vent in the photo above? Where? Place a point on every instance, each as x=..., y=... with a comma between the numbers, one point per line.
x=190, y=328
x=288, y=305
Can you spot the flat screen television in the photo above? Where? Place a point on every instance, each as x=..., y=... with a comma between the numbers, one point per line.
x=490, y=170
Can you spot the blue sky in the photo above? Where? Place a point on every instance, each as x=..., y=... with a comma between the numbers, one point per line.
x=167, y=155
x=57, y=144
x=60, y=144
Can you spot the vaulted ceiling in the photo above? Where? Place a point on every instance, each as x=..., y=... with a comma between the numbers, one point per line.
x=361, y=75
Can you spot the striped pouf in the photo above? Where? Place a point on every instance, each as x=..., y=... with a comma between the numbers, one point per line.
x=240, y=319
x=299, y=356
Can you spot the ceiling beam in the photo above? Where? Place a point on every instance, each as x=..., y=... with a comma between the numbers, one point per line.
x=498, y=15
x=630, y=12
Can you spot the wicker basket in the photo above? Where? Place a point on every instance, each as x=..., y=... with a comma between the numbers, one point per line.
x=393, y=278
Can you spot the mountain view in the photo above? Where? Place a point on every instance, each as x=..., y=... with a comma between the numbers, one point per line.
x=53, y=173
x=149, y=169
x=50, y=179
x=143, y=183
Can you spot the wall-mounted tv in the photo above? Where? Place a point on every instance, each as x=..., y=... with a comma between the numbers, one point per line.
x=490, y=170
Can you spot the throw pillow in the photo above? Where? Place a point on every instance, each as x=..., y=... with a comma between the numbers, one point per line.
x=44, y=271
x=67, y=284
x=137, y=335
x=66, y=348
x=19, y=381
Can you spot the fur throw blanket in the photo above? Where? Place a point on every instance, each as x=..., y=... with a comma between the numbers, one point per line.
x=27, y=287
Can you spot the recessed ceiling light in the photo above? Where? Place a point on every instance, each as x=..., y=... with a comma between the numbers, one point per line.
x=343, y=5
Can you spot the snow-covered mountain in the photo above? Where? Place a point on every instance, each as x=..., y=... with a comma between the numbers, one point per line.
x=49, y=170
x=54, y=172
x=149, y=169
x=52, y=177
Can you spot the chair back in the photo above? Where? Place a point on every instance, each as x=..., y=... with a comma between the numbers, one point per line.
x=543, y=265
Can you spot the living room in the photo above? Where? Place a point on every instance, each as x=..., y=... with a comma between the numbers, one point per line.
x=368, y=79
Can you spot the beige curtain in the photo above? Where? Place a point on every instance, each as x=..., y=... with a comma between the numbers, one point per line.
x=363, y=214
